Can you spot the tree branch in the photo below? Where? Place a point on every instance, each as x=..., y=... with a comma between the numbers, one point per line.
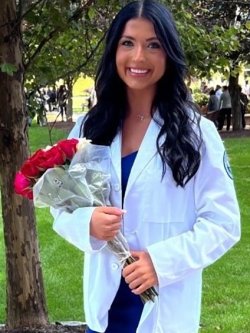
x=30, y=8
x=88, y=58
x=77, y=69
x=76, y=15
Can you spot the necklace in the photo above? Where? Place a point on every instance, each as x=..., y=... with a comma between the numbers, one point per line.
x=142, y=117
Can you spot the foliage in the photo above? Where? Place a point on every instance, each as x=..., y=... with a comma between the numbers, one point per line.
x=200, y=98
x=210, y=34
x=62, y=41
x=8, y=68
x=227, y=31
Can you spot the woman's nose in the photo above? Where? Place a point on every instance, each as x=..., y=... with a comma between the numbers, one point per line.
x=139, y=54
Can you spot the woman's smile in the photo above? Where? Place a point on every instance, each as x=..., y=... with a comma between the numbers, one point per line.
x=138, y=71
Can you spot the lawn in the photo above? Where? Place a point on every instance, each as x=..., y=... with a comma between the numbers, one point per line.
x=226, y=290
x=226, y=283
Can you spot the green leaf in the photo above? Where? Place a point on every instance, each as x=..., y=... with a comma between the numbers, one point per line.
x=8, y=68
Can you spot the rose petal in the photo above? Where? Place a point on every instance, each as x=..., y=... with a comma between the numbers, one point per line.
x=68, y=146
x=23, y=185
x=32, y=166
x=54, y=157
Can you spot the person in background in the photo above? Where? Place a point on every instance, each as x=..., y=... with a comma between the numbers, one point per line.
x=225, y=107
x=246, y=89
x=243, y=107
x=218, y=91
x=213, y=107
x=172, y=192
x=62, y=101
x=213, y=102
x=52, y=99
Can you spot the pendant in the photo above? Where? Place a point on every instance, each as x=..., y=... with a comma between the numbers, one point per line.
x=141, y=117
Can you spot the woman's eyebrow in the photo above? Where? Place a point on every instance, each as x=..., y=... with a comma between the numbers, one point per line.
x=148, y=39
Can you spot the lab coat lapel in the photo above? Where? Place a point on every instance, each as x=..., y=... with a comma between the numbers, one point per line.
x=116, y=156
x=146, y=152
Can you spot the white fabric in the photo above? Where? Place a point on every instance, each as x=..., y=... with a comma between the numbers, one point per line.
x=184, y=230
x=225, y=100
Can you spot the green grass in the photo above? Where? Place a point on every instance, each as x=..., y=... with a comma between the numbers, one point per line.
x=62, y=269
x=39, y=137
x=226, y=287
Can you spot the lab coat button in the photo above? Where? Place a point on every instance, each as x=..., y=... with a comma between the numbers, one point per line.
x=115, y=266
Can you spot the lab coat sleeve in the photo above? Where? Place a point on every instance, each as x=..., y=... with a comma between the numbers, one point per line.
x=75, y=227
x=217, y=226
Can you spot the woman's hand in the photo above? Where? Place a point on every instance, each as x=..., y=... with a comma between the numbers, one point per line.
x=140, y=275
x=105, y=222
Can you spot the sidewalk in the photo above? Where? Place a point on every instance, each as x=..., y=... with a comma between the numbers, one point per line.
x=55, y=115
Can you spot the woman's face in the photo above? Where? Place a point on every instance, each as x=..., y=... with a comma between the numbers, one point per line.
x=140, y=58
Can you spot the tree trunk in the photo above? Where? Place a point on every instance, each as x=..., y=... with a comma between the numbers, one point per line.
x=235, y=99
x=69, y=82
x=25, y=293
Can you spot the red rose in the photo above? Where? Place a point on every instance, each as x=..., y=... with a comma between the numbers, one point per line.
x=23, y=186
x=53, y=157
x=40, y=161
x=31, y=168
x=68, y=146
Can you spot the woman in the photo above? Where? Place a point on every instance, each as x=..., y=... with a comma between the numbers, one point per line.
x=171, y=177
x=225, y=106
x=213, y=107
x=62, y=100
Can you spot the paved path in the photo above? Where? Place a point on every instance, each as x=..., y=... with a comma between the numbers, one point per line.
x=51, y=116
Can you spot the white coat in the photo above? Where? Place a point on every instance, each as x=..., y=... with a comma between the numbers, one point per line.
x=183, y=230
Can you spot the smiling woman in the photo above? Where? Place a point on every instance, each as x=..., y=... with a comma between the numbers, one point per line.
x=175, y=220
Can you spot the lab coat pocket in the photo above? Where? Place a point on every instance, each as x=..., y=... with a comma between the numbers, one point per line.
x=160, y=229
x=164, y=208
x=160, y=220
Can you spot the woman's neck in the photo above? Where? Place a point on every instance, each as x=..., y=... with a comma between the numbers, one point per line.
x=140, y=103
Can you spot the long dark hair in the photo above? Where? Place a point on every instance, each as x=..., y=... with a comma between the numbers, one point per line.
x=180, y=149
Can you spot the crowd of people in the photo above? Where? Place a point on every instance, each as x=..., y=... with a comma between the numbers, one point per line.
x=220, y=104
x=45, y=100
x=56, y=99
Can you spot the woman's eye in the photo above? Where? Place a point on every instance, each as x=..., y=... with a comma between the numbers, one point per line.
x=154, y=45
x=127, y=43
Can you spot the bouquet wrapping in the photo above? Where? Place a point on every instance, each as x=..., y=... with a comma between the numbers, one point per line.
x=72, y=174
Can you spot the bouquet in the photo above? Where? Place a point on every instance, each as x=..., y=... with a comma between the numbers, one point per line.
x=71, y=174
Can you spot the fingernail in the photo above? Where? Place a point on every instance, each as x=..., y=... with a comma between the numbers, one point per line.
x=124, y=211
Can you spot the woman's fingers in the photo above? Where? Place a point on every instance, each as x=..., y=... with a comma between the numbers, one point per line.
x=106, y=222
x=140, y=275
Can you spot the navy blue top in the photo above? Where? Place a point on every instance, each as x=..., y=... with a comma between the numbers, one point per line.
x=127, y=163
x=125, y=312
